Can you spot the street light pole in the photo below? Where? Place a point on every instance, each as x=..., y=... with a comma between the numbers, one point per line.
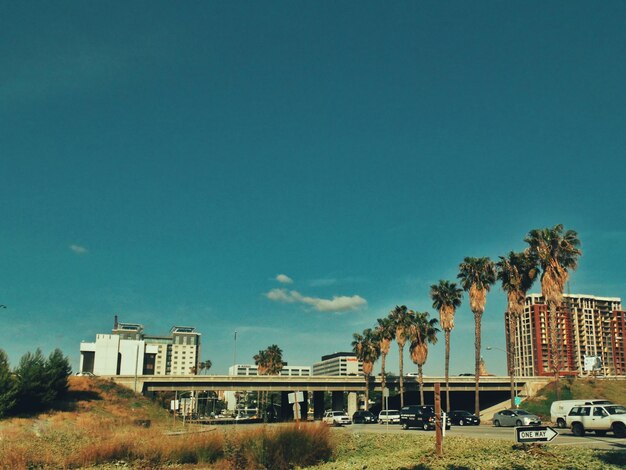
x=511, y=367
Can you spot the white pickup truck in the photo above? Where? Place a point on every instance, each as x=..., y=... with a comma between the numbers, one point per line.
x=597, y=418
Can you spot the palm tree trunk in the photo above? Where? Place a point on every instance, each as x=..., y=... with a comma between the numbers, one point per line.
x=367, y=392
x=421, y=380
x=447, y=334
x=401, y=350
x=477, y=318
x=554, y=353
x=382, y=371
x=511, y=355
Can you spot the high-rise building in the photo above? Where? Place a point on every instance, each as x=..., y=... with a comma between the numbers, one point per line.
x=339, y=363
x=590, y=330
x=128, y=351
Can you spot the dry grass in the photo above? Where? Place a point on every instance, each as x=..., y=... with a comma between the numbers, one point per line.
x=100, y=429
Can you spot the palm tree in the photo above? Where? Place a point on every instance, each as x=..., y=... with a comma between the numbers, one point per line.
x=275, y=360
x=262, y=361
x=402, y=320
x=205, y=365
x=517, y=272
x=446, y=298
x=386, y=333
x=477, y=275
x=422, y=332
x=556, y=251
x=367, y=350
x=275, y=365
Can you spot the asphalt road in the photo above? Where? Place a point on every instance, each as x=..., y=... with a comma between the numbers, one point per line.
x=565, y=436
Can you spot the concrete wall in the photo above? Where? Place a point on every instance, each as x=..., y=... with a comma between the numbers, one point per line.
x=107, y=347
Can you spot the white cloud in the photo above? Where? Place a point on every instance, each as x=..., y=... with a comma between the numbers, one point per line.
x=80, y=250
x=284, y=279
x=336, y=304
x=280, y=295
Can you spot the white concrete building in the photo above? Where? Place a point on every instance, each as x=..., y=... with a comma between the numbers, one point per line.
x=128, y=351
x=339, y=363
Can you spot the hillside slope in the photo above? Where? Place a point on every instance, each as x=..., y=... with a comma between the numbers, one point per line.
x=577, y=388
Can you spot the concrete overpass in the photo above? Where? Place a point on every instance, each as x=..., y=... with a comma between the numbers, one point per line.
x=493, y=389
x=314, y=383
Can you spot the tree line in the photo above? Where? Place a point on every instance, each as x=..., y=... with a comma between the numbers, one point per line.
x=35, y=384
x=551, y=252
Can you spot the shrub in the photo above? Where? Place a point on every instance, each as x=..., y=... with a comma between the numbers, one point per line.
x=281, y=448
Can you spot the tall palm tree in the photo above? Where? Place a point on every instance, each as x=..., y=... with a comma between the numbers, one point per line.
x=367, y=350
x=274, y=365
x=477, y=275
x=422, y=332
x=446, y=298
x=261, y=360
x=386, y=333
x=402, y=319
x=556, y=251
x=517, y=272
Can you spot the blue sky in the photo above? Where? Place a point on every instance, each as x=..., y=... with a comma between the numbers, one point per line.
x=166, y=162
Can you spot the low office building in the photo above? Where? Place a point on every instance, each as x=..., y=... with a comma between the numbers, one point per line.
x=339, y=363
x=129, y=351
x=249, y=369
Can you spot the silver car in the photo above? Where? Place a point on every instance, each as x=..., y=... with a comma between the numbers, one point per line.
x=389, y=417
x=515, y=418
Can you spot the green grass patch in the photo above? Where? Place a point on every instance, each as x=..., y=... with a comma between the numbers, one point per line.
x=414, y=451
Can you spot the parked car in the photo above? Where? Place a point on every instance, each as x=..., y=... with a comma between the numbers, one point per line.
x=418, y=416
x=389, y=417
x=515, y=417
x=336, y=418
x=462, y=418
x=364, y=417
x=246, y=415
x=598, y=418
x=561, y=408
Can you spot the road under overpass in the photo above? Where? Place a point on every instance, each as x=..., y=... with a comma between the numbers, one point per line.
x=492, y=389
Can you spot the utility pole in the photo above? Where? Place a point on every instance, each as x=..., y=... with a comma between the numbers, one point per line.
x=235, y=352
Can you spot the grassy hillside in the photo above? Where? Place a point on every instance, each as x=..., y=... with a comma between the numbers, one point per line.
x=101, y=423
x=577, y=388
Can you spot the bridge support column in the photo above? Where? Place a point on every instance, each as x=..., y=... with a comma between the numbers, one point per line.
x=304, y=407
x=318, y=405
x=286, y=410
x=337, y=401
x=353, y=404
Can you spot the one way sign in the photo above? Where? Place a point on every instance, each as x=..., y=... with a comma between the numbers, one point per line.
x=525, y=434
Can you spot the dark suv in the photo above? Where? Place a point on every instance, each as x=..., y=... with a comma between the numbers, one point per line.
x=417, y=416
